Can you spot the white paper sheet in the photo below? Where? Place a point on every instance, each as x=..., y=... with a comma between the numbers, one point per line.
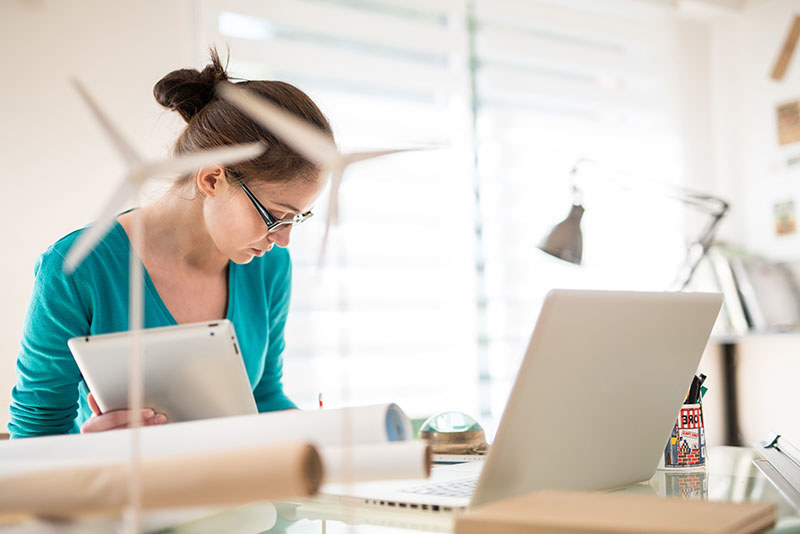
x=369, y=424
x=385, y=461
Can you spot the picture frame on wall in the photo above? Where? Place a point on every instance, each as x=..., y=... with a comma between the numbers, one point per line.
x=788, y=119
x=785, y=218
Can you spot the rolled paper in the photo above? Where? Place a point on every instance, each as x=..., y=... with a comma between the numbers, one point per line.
x=234, y=476
x=383, y=461
x=337, y=427
x=36, y=464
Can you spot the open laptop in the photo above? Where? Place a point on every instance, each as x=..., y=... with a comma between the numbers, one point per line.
x=592, y=406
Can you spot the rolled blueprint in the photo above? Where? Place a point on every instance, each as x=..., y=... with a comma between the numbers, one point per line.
x=235, y=476
x=383, y=461
x=356, y=444
x=338, y=427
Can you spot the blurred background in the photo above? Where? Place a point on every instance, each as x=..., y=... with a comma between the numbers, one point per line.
x=434, y=280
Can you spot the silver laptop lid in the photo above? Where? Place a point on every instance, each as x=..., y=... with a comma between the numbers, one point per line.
x=598, y=390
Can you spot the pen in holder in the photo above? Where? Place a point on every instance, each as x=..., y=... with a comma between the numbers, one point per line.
x=686, y=448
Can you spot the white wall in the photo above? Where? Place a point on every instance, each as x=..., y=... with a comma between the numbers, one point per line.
x=56, y=166
x=752, y=172
x=768, y=368
x=751, y=165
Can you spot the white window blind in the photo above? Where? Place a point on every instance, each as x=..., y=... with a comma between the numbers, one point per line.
x=558, y=81
x=434, y=280
x=389, y=318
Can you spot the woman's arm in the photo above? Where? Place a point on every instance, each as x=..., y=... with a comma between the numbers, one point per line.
x=268, y=392
x=45, y=397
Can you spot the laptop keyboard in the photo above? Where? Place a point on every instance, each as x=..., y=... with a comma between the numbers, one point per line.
x=455, y=488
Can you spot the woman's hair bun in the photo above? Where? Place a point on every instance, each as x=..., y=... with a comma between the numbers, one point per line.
x=187, y=91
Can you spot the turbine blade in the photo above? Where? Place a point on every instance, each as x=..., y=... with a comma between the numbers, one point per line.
x=353, y=157
x=333, y=205
x=333, y=212
x=197, y=160
x=301, y=136
x=122, y=146
x=93, y=234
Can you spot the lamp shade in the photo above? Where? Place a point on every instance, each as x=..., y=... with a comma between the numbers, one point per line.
x=565, y=240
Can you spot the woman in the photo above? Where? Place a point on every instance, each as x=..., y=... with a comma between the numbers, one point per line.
x=209, y=254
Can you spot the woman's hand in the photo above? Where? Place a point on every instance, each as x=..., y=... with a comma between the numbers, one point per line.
x=100, y=422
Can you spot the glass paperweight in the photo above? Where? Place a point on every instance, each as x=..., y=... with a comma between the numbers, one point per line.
x=454, y=433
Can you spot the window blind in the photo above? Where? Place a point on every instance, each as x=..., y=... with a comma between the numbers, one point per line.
x=555, y=82
x=388, y=317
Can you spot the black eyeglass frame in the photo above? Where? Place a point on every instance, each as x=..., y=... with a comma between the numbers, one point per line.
x=273, y=223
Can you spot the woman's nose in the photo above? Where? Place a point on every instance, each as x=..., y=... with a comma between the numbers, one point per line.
x=282, y=236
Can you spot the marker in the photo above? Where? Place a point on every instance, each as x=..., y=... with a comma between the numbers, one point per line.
x=699, y=394
x=691, y=398
x=320, y=401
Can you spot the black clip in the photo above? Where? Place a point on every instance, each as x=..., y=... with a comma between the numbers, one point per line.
x=771, y=444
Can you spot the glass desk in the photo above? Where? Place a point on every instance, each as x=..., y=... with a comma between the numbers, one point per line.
x=730, y=475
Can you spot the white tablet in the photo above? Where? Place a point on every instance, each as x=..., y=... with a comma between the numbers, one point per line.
x=192, y=371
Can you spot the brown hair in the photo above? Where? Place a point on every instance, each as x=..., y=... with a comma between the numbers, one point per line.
x=213, y=122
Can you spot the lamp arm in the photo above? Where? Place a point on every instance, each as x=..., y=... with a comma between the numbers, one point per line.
x=714, y=206
x=705, y=241
x=698, y=200
x=703, y=202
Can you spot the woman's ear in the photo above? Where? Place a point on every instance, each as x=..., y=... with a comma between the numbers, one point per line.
x=210, y=180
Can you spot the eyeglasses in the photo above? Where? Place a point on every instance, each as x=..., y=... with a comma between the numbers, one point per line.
x=273, y=223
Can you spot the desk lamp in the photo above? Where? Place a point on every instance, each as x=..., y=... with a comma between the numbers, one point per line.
x=565, y=240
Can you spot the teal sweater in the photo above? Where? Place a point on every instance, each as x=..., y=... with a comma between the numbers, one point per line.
x=50, y=394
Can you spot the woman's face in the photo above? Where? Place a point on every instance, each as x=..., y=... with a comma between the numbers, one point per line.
x=235, y=225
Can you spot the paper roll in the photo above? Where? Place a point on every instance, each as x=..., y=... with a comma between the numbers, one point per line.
x=234, y=476
x=385, y=461
x=345, y=426
x=40, y=464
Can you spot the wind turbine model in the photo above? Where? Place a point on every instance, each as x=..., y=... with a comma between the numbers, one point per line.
x=307, y=140
x=315, y=146
x=139, y=172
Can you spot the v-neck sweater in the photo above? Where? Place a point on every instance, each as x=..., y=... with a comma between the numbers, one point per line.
x=50, y=394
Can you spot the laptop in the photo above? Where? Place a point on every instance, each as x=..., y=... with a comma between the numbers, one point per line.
x=191, y=371
x=592, y=406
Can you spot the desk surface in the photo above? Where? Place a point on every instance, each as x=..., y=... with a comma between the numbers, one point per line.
x=730, y=475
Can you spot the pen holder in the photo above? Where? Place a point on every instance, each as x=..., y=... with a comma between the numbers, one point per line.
x=686, y=448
